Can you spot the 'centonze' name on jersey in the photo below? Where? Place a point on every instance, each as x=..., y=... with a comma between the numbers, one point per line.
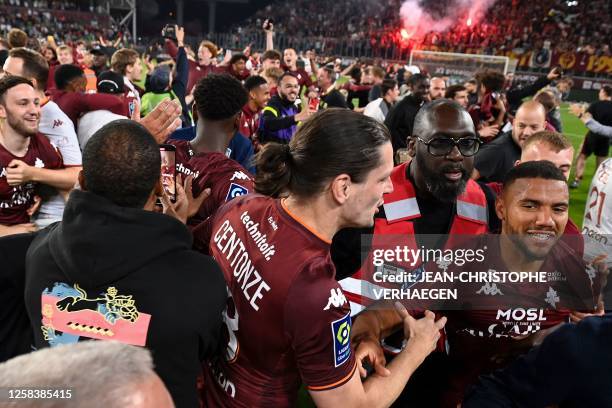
x=234, y=251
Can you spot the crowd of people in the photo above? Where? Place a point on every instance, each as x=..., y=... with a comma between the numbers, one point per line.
x=231, y=213
x=519, y=26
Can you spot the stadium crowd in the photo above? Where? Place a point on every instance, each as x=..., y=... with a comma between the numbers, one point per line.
x=223, y=217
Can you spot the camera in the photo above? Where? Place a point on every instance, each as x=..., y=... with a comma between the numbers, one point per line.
x=169, y=32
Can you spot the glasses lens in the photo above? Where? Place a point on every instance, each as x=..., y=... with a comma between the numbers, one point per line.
x=440, y=147
x=468, y=147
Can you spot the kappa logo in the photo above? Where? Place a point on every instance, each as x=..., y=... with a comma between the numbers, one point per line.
x=552, y=297
x=39, y=163
x=235, y=190
x=489, y=289
x=336, y=299
x=57, y=123
x=239, y=175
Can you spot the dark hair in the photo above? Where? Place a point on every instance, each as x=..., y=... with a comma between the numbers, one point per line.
x=331, y=142
x=34, y=65
x=237, y=57
x=387, y=85
x=286, y=74
x=416, y=78
x=492, y=80
x=253, y=82
x=607, y=89
x=66, y=73
x=542, y=169
x=12, y=81
x=121, y=162
x=219, y=97
x=271, y=55
x=555, y=140
x=452, y=90
x=425, y=115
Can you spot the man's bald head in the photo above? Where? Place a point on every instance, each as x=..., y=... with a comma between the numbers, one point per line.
x=530, y=118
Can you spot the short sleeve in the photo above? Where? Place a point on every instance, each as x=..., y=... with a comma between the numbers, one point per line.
x=318, y=323
x=68, y=144
x=231, y=184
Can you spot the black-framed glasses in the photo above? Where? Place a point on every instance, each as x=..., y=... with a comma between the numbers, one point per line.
x=442, y=146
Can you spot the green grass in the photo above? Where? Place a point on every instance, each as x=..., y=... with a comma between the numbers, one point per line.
x=575, y=130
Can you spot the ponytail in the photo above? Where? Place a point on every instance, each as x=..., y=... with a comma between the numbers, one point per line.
x=273, y=163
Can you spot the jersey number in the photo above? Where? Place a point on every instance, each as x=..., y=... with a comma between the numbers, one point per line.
x=598, y=199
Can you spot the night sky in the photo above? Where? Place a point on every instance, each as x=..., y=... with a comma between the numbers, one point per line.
x=196, y=15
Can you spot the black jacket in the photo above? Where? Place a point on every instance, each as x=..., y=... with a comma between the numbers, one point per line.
x=400, y=121
x=110, y=272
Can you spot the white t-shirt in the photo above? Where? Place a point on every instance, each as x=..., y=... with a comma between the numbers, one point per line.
x=91, y=122
x=59, y=129
x=597, y=222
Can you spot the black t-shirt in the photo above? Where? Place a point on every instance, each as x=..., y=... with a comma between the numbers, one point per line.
x=435, y=219
x=334, y=99
x=602, y=112
x=495, y=159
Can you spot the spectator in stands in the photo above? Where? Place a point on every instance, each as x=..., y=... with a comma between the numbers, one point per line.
x=330, y=96
x=379, y=108
x=26, y=157
x=56, y=126
x=290, y=64
x=595, y=143
x=17, y=38
x=259, y=96
x=281, y=116
x=270, y=59
x=126, y=61
x=400, y=119
x=437, y=88
x=71, y=98
x=496, y=158
x=207, y=52
x=120, y=183
x=117, y=375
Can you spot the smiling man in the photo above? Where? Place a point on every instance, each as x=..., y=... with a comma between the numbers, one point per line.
x=23, y=151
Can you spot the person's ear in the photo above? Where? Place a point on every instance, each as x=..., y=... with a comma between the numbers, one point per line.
x=516, y=163
x=500, y=207
x=412, y=145
x=341, y=188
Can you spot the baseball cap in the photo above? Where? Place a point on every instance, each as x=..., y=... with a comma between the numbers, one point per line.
x=110, y=82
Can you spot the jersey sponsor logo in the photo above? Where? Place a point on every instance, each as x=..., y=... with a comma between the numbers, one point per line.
x=490, y=289
x=235, y=190
x=341, y=333
x=57, y=123
x=552, y=297
x=239, y=175
x=259, y=238
x=39, y=163
x=519, y=314
x=3, y=172
x=336, y=299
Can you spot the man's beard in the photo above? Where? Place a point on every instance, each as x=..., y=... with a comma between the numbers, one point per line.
x=439, y=186
x=19, y=125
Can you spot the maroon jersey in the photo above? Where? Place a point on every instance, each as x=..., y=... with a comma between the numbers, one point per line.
x=287, y=319
x=15, y=201
x=486, y=333
x=75, y=104
x=226, y=178
x=302, y=76
x=249, y=122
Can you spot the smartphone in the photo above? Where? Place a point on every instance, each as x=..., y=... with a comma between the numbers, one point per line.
x=168, y=170
x=313, y=104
